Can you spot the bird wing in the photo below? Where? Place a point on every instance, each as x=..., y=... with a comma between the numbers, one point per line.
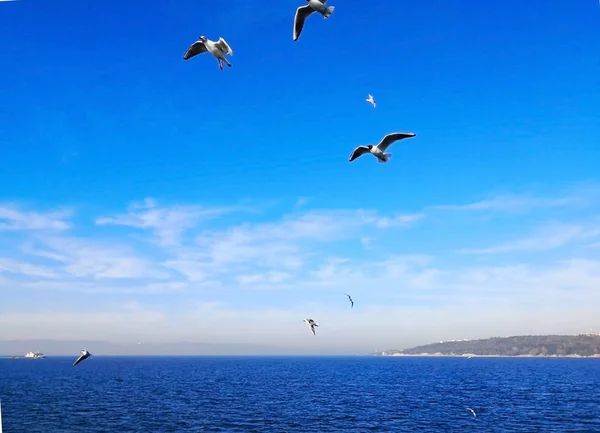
x=223, y=46
x=359, y=151
x=196, y=48
x=78, y=360
x=301, y=13
x=390, y=138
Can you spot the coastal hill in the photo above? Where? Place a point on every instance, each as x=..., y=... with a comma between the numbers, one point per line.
x=526, y=345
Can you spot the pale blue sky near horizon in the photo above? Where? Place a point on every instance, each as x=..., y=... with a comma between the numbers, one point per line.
x=154, y=194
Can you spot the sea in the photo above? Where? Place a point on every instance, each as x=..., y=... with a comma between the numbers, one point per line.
x=300, y=394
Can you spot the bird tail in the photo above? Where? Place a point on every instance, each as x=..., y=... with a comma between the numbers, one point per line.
x=328, y=11
x=386, y=158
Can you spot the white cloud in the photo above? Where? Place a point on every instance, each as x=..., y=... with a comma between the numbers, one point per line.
x=167, y=223
x=14, y=219
x=580, y=196
x=548, y=237
x=257, y=280
x=86, y=258
x=276, y=248
x=21, y=268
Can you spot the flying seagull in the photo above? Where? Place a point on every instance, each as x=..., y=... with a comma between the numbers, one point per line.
x=472, y=411
x=371, y=100
x=84, y=355
x=379, y=149
x=312, y=324
x=218, y=49
x=304, y=12
x=350, y=299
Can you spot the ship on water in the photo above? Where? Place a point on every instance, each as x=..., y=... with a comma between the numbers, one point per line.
x=35, y=355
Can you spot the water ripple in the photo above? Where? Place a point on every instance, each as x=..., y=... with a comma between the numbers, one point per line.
x=214, y=394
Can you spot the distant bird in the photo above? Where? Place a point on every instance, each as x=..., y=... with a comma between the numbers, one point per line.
x=218, y=49
x=472, y=411
x=312, y=324
x=379, y=149
x=304, y=12
x=350, y=299
x=371, y=100
x=84, y=355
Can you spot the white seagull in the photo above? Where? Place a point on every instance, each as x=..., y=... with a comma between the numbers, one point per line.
x=472, y=411
x=304, y=11
x=312, y=324
x=350, y=299
x=371, y=100
x=218, y=49
x=84, y=355
x=379, y=149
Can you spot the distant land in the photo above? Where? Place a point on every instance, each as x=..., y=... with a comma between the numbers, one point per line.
x=104, y=348
x=587, y=345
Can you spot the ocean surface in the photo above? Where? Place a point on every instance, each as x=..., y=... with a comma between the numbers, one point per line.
x=303, y=394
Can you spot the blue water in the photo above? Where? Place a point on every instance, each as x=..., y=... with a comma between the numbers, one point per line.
x=358, y=394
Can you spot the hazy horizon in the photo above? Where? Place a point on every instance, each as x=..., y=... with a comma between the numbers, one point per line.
x=126, y=215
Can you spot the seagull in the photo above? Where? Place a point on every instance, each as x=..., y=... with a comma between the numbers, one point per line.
x=472, y=411
x=84, y=355
x=379, y=149
x=218, y=49
x=312, y=324
x=371, y=100
x=304, y=11
x=350, y=299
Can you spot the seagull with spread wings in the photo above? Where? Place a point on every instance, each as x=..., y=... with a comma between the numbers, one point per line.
x=371, y=100
x=84, y=355
x=304, y=12
x=218, y=49
x=312, y=324
x=350, y=299
x=378, y=151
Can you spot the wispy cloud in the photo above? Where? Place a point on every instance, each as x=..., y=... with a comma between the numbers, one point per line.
x=86, y=258
x=13, y=219
x=167, y=223
x=21, y=268
x=301, y=202
x=527, y=202
x=281, y=247
x=208, y=264
x=548, y=237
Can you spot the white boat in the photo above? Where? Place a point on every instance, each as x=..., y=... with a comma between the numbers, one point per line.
x=34, y=355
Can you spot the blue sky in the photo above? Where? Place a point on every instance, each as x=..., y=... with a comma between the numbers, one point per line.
x=166, y=200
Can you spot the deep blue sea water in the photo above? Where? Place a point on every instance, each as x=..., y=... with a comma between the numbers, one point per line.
x=304, y=394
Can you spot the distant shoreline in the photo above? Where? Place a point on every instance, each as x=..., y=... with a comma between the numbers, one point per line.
x=435, y=355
